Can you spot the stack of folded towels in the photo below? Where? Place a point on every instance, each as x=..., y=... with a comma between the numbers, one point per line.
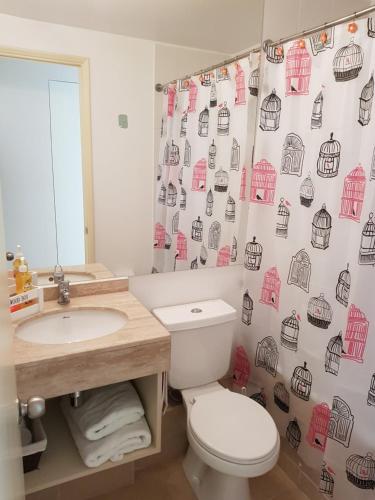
x=109, y=423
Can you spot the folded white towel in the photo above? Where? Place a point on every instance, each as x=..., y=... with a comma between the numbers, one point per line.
x=129, y=438
x=106, y=409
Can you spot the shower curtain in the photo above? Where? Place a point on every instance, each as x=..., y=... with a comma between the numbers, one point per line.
x=203, y=165
x=309, y=297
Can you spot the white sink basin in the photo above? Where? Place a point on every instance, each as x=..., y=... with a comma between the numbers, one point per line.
x=74, y=325
x=47, y=278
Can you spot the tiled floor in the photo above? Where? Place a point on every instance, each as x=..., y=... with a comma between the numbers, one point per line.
x=167, y=482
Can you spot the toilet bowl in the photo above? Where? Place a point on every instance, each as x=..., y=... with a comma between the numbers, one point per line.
x=231, y=437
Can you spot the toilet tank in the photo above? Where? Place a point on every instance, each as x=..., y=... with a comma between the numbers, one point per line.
x=201, y=341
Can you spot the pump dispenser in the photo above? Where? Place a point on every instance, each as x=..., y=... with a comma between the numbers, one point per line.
x=17, y=260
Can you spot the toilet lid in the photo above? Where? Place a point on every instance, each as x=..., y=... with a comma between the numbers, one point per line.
x=233, y=427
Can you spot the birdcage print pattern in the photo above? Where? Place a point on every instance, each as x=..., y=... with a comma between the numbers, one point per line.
x=241, y=367
x=209, y=203
x=306, y=192
x=197, y=229
x=253, y=255
x=174, y=155
x=318, y=428
x=300, y=271
x=347, y=62
x=274, y=54
x=326, y=483
x=267, y=355
x=319, y=312
x=223, y=120
x=281, y=397
x=317, y=111
x=230, y=210
x=263, y=183
x=193, y=93
x=341, y=422
x=371, y=392
x=221, y=181
x=322, y=40
x=203, y=122
x=171, y=99
x=162, y=198
x=356, y=335
x=243, y=184
x=270, y=294
x=175, y=222
x=194, y=263
x=234, y=251
x=270, y=111
x=353, y=194
x=187, y=154
x=181, y=249
x=360, y=471
x=184, y=122
x=365, y=102
x=223, y=256
x=343, y=287
x=290, y=332
x=171, y=195
x=367, y=248
x=247, y=308
x=333, y=355
x=158, y=172
x=203, y=255
x=159, y=236
x=293, y=153
x=240, y=86
x=260, y=398
x=212, y=155
x=183, y=199
x=293, y=434
x=282, y=220
x=301, y=382
x=321, y=229
x=181, y=175
x=166, y=155
x=329, y=158
x=213, y=96
x=199, y=176
x=214, y=234
x=222, y=74
x=235, y=155
x=254, y=82
x=298, y=69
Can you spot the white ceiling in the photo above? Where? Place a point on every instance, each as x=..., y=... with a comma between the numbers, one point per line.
x=220, y=25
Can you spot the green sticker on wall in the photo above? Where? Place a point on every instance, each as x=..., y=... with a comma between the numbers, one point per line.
x=123, y=121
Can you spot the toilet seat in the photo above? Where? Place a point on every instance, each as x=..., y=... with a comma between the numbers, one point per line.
x=234, y=428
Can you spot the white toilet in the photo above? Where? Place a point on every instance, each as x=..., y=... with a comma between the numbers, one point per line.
x=231, y=437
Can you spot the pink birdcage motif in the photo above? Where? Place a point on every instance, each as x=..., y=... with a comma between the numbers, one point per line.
x=243, y=184
x=292, y=156
x=326, y=483
x=171, y=99
x=334, y=352
x=355, y=335
x=347, y=62
x=365, y=102
x=343, y=287
x=223, y=256
x=300, y=271
x=199, y=176
x=267, y=355
x=193, y=93
x=353, y=194
x=240, y=86
x=271, y=288
x=298, y=70
x=371, y=392
x=247, y=308
x=341, y=422
x=241, y=367
x=367, y=248
x=159, y=236
x=301, y=382
x=318, y=428
x=360, y=471
x=233, y=253
x=209, y=203
x=181, y=249
x=263, y=183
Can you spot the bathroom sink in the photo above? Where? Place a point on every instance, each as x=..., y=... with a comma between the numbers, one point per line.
x=72, y=325
x=47, y=278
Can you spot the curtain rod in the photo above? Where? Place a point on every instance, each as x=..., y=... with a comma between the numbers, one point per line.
x=160, y=86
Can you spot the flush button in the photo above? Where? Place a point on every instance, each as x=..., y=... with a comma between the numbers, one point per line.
x=196, y=310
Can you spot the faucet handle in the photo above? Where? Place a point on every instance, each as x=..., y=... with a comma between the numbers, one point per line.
x=58, y=275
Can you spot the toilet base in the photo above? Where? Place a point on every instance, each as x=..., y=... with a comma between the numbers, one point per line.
x=210, y=484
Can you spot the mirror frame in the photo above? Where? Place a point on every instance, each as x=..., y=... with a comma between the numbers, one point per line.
x=86, y=147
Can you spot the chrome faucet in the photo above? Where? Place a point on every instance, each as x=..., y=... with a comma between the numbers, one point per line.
x=64, y=292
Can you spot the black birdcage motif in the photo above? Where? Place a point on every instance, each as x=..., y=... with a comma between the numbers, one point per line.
x=260, y=398
x=347, y=62
x=205, y=79
x=253, y=255
x=247, y=308
x=203, y=255
x=166, y=154
x=321, y=229
x=317, y=111
x=175, y=222
x=254, y=82
x=171, y=195
x=174, y=155
x=334, y=351
x=154, y=270
x=267, y=355
x=293, y=434
x=274, y=54
x=371, y=392
x=233, y=252
x=213, y=95
x=203, y=122
x=184, y=121
x=306, y=192
x=270, y=112
x=341, y=422
x=212, y=155
x=282, y=220
x=162, y=198
x=187, y=154
x=365, y=102
x=329, y=158
x=230, y=210
x=194, y=263
x=214, y=235
x=367, y=248
x=293, y=153
x=300, y=271
x=158, y=172
x=360, y=471
x=319, y=312
x=235, y=155
x=162, y=127
x=301, y=382
x=320, y=43
x=343, y=287
x=281, y=397
x=327, y=483
x=371, y=27
x=197, y=229
x=183, y=199
x=168, y=241
x=223, y=119
x=209, y=203
x=289, y=332
x=221, y=181
x=181, y=175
